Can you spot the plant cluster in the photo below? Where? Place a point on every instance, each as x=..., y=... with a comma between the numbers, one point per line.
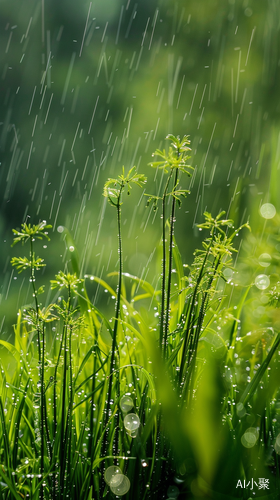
x=100, y=406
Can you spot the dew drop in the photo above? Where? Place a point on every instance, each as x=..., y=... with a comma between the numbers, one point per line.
x=131, y=422
x=126, y=403
x=262, y=281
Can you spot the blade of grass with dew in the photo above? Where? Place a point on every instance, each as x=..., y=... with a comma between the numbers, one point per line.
x=145, y=285
x=17, y=426
x=251, y=387
x=12, y=488
x=181, y=279
x=238, y=311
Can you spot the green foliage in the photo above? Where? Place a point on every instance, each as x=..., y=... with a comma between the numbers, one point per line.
x=160, y=390
x=23, y=263
x=176, y=157
x=29, y=232
x=123, y=181
x=174, y=160
x=68, y=281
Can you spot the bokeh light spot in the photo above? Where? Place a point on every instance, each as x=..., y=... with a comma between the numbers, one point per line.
x=268, y=211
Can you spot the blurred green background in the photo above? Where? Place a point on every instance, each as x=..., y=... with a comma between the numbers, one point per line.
x=86, y=87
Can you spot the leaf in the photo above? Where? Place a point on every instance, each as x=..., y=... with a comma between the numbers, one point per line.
x=142, y=283
x=41, y=290
x=114, y=193
x=176, y=157
x=31, y=232
x=68, y=281
x=11, y=348
x=252, y=386
x=89, y=395
x=12, y=489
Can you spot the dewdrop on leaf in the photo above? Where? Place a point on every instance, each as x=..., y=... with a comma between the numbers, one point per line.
x=131, y=422
x=126, y=403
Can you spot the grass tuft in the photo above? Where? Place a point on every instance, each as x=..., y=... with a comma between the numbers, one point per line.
x=183, y=403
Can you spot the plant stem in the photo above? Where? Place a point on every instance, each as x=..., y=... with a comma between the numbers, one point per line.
x=171, y=234
x=68, y=432
x=163, y=280
x=118, y=302
x=41, y=356
x=42, y=381
x=32, y=279
x=63, y=442
x=117, y=314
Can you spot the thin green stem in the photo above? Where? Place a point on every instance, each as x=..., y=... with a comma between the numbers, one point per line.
x=171, y=235
x=191, y=312
x=118, y=301
x=63, y=443
x=163, y=279
x=32, y=279
x=68, y=432
x=117, y=314
x=92, y=409
x=54, y=386
x=42, y=382
x=41, y=356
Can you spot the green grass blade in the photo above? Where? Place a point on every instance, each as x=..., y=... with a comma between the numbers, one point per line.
x=12, y=349
x=83, y=363
x=17, y=426
x=251, y=387
x=10, y=485
x=89, y=395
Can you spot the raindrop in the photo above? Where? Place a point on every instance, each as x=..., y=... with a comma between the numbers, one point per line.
x=126, y=404
x=268, y=211
x=144, y=463
x=71, y=248
x=131, y=422
x=60, y=229
x=262, y=281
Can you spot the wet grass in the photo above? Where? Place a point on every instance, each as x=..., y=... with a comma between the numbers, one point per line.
x=167, y=398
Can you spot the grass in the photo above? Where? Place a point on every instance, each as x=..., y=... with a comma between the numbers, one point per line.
x=181, y=403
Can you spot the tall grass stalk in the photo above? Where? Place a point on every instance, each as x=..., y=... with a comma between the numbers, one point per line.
x=30, y=233
x=172, y=162
x=114, y=196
